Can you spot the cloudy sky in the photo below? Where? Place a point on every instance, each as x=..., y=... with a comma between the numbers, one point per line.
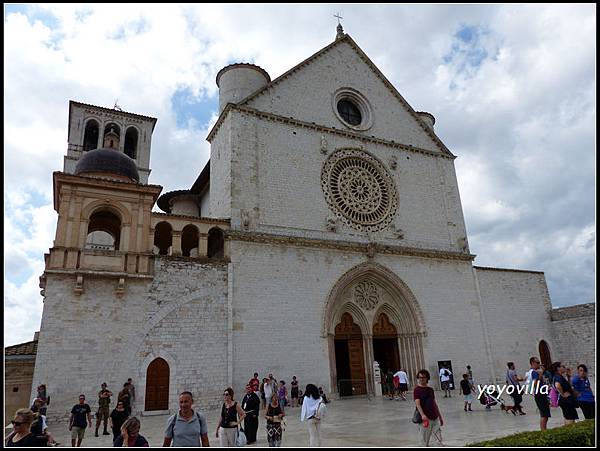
x=512, y=89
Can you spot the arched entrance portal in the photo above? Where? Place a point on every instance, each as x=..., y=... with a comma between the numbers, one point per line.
x=371, y=315
x=349, y=358
x=545, y=354
x=157, y=385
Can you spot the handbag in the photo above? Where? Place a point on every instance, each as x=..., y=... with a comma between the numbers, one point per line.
x=240, y=438
x=417, y=417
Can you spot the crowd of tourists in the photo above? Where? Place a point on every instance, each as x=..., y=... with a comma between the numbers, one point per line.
x=270, y=400
x=237, y=424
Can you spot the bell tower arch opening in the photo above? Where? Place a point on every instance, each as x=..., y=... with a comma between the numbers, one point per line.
x=372, y=301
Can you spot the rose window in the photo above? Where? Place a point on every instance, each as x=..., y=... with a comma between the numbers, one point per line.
x=359, y=190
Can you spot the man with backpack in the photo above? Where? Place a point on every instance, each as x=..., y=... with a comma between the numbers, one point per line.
x=187, y=427
x=445, y=381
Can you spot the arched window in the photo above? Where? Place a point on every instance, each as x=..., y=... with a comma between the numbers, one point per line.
x=163, y=237
x=112, y=135
x=189, y=241
x=90, y=136
x=131, y=140
x=216, y=243
x=104, y=231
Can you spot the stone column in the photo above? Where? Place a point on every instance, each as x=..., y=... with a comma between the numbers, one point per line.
x=176, y=244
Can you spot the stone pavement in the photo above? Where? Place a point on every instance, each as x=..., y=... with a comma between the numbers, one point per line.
x=360, y=422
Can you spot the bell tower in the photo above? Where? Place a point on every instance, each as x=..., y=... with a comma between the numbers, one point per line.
x=92, y=127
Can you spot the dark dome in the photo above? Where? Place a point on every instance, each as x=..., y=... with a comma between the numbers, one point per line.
x=109, y=161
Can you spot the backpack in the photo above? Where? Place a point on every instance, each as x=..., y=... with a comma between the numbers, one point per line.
x=446, y=373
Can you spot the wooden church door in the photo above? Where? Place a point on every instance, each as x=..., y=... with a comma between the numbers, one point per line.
x=157, y=385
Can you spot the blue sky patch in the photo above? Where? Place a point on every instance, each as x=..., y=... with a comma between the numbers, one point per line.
x=33, y=13
x=187, y=106
x=467, y=50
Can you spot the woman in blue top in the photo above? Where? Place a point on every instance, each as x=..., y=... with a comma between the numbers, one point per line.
x=581, y=384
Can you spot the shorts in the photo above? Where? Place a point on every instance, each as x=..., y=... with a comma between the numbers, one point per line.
x=446, y=385
x=77, y=433
x=294, y=393
x=468, y=398
x=543, y=404
x=568, y=408
x=403, y=387
x=103, y=413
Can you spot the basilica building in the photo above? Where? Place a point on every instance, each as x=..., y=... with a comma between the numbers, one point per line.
x=324, y=239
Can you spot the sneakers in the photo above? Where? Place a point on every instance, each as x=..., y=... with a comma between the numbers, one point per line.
x=470, y=410
x=465, y=409
x=106, y=433
x=96, y=434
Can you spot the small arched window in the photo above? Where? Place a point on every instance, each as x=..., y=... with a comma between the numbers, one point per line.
x=104, y=231
x=216, y=243
x=189, y=241
x=112, y=135
x=131, y=140
x=163, y=237
x=90, y=136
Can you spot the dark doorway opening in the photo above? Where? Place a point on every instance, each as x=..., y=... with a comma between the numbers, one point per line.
x=385, y=351
x=342, y=366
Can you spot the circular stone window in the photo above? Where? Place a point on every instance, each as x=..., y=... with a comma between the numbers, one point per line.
x=359, y=190
x=352, y=109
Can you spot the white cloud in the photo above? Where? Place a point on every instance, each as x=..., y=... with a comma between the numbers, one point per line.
x=521, y=120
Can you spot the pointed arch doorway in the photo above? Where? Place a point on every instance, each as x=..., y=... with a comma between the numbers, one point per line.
x=371, y=312
x=157, y=385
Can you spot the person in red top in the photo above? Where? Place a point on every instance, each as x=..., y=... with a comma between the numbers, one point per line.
x=425, y=401
x=255, y=383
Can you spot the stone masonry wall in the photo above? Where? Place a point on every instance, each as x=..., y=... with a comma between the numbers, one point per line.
x=517, y=316
x=180, y=315
x=574, y=334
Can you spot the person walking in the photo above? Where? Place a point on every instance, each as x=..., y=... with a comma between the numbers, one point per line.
x=312, y=413
x=125, y=398
x=294, y=391
x=283, y=394
x=188, y=427
x=513, y=379
x=130, y=435
x=467, y=390
x=470, y=373
x=274, y=416
x=402, y=383
x=567, y=400
x=445, y=374
x=263, y=399
x=536, y=381
x=131, y=389
x=103, y=408
x=389, y=384
x=229, y=421
x=42, y=394
x=251, y=406
x=255, y=383
x=117, y=419
x=21, y=434
x=78, y=421
x=268, y=389
x=431, y=416
x=585, y=398
x=39, y=426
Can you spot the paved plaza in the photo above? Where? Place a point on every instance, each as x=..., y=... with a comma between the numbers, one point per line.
x=360, y=422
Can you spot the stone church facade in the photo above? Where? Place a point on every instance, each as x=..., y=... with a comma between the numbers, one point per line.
x=325, y=233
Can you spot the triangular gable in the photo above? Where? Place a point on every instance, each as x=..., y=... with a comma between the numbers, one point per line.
x=419, y=127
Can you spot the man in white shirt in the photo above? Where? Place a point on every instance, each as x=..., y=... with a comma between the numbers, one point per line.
x=403, y=385
x=445, y=380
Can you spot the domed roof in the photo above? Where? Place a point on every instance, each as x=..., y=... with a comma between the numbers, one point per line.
x=109, y=161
